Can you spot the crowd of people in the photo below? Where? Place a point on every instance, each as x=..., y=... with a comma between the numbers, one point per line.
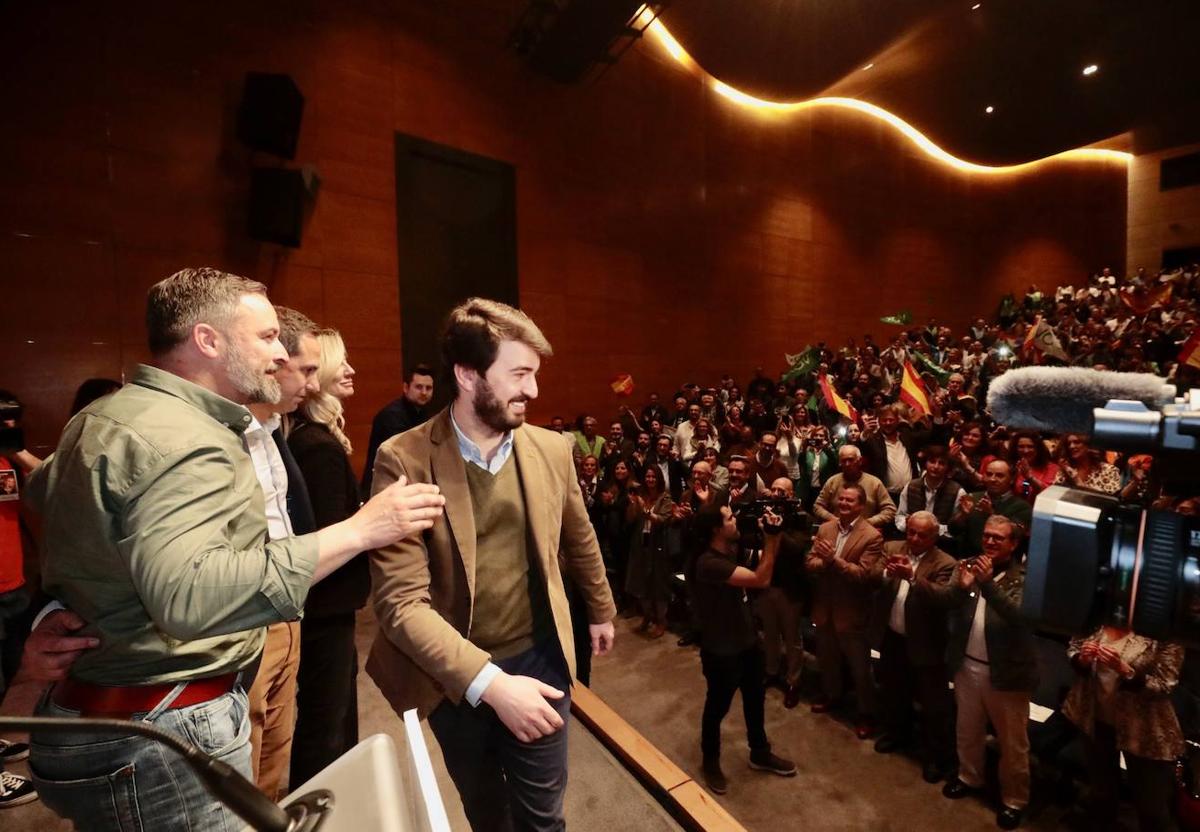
x=737, y=515
x=917, y=524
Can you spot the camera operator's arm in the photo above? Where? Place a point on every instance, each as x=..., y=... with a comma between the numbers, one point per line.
x=760, y=576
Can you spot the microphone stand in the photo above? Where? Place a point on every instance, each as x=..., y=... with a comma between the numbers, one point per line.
x=225, y=782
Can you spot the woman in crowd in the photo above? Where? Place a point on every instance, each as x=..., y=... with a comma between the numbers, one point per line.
x=970, y=454
x=327, y=678
x=720, y=474
x=648, y=577
x=703, y=437
x=1121, y=703
x=1033, y=470
x=793, y=434
x=1082, y=468
x=617, y=524
x=731, y=432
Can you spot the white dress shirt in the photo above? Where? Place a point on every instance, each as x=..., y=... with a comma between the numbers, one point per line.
x=976, y=640
x=896, y=620
x=271, y=473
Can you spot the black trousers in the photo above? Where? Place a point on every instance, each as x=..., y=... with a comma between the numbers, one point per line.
x=725, y=676
x=899, y=682
x=326, y=697
x=506, y=784
x=1151, y=783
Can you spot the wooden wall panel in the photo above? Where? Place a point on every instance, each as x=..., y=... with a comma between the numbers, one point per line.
x=1159, y=220
x=663, y=230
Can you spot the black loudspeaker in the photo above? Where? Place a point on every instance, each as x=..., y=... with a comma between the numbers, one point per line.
x=277, y=206
x=269, y=116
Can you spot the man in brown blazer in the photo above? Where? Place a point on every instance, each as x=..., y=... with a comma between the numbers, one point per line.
x=475, y=631
x=908, y=628
x=842, y=562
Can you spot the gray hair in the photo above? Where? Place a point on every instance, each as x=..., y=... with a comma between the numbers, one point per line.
x=193, y=296
x=924, y=517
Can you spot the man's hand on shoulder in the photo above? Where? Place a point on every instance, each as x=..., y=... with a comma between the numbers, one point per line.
x=603, y=636
x=520, y=703
x=401, y=510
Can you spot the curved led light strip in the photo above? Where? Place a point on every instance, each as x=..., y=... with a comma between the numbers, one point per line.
x=923, y=142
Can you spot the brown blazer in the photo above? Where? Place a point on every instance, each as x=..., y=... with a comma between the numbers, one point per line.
x=929, y=597
x=1145, y=722
x=424, y=588
x=842, y=595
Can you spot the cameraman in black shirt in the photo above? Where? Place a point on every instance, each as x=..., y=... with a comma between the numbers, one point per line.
x=730, y=654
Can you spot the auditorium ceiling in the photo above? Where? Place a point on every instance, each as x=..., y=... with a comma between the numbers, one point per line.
x=940, y=64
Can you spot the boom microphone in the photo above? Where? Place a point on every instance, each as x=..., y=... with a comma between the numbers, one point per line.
x=1063, y=399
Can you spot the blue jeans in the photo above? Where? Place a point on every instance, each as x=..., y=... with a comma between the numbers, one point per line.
x=124, y=782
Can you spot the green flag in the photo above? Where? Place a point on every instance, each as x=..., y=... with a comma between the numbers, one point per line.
x=927, y=363
x=901, y=318
x=802, y=363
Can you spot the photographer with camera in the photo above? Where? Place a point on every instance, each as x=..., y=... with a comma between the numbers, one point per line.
x=992, y=656
x=817, y=463
x=779, y=605
x=730, y=654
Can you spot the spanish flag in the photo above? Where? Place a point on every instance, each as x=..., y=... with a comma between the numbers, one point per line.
x=913, y=392
x=1190, y=354
x=622, y=385
x=835, y=401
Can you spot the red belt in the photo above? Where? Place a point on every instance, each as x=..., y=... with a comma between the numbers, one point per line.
x=110, y=701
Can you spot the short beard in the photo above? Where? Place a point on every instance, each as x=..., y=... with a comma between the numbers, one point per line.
x=251, y=384
x=492, y=412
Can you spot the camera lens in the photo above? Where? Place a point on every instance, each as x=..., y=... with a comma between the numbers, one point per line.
x=1094, y=561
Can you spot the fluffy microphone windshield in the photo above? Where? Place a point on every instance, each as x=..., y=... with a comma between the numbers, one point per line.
x=1061, y=399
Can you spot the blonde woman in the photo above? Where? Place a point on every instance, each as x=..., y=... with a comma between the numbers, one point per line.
x=327, y=703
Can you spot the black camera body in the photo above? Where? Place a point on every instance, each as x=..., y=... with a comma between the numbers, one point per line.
x=1094, y=560
x=795, y=518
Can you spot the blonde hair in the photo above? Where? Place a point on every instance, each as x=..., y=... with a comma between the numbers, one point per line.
x=323, y=407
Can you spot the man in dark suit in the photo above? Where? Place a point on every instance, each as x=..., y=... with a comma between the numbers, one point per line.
x=997, y=498
x=474, y=625
x=891, y=451
x=992, y=656
x=841, y=563
x=674, y=472
x=406, y=412
x=908, y=628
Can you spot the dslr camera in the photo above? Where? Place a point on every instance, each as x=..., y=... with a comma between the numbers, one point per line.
x=795, y=518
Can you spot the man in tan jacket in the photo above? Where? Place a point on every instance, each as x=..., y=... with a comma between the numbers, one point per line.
x=475, y=631
x=842, y=564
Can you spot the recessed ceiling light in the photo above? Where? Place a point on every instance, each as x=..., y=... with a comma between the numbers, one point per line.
x=868, y=66
x=989, y=109
x=1090, y=69
x=976, y=7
